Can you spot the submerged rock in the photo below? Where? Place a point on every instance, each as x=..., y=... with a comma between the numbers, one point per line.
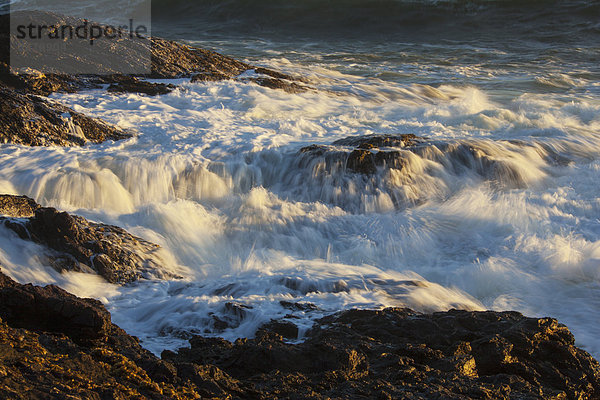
x=378, y=141
x=54, y=345
x=494, y=161
x=33, y=121
x=77, y=244
x=368, y=152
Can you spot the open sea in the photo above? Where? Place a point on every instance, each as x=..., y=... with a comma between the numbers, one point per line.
x=215, y=178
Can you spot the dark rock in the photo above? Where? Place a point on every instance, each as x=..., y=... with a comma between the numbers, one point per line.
x=368, y=152
x=402, y=354
x=231, y=316
x=80, y=245
x=378, y=141
x=55, y=345
x=33, y=121
x=315, y=149
x=168, y=60
x=17, y=206
x=134, y=85
x=286, y=329
x=371, y=151
x=298, y=306
x=52, y=309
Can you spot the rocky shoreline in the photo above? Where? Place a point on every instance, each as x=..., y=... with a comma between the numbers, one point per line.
x=54, y=345
x=28, y=119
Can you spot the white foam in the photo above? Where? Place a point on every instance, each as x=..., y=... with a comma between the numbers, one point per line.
x=214, y=178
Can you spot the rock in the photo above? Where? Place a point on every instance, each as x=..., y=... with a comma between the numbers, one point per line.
x=52, y=309
x=33, y=121
x=286, y=329
x=306, y=307
x=397, y=353
x=80, y=245
x=361, y=161
x=30, y=120
x=17, y=206
x=378, y=141
x=54, y=345
x=169, y=60
x=133, y=85
x=38, y=83
x=367, y=153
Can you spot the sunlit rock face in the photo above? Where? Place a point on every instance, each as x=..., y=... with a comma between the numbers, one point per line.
x=76, y=244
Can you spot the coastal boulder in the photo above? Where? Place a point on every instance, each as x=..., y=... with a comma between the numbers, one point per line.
x=76, y=244
x=33, y=121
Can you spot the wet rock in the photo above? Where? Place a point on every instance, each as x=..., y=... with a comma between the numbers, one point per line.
x=298, y=306
x=38, y=83
x=367, y=153
x=33, y=121
x=168, y=60
x=378, y=141
x=54, y=345
x=51, y=309
x=397, y=353
x=231, y=316
x=134, y=85
x=80, y=245
x=286, y=329
x=17, y=206
x=361, y=161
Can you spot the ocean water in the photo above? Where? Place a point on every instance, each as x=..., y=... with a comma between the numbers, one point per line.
x=214, y=174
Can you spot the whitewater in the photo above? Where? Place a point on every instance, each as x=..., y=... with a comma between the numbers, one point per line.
x=216, y=177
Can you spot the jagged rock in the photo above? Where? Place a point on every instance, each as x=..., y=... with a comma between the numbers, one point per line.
x=367, y=152
x=33, y=121
x=169, y=60
x=54, y=345
x=17, y=206
x=397, y=353
x=80, y=245
x=52, y=309
x=130, y=84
